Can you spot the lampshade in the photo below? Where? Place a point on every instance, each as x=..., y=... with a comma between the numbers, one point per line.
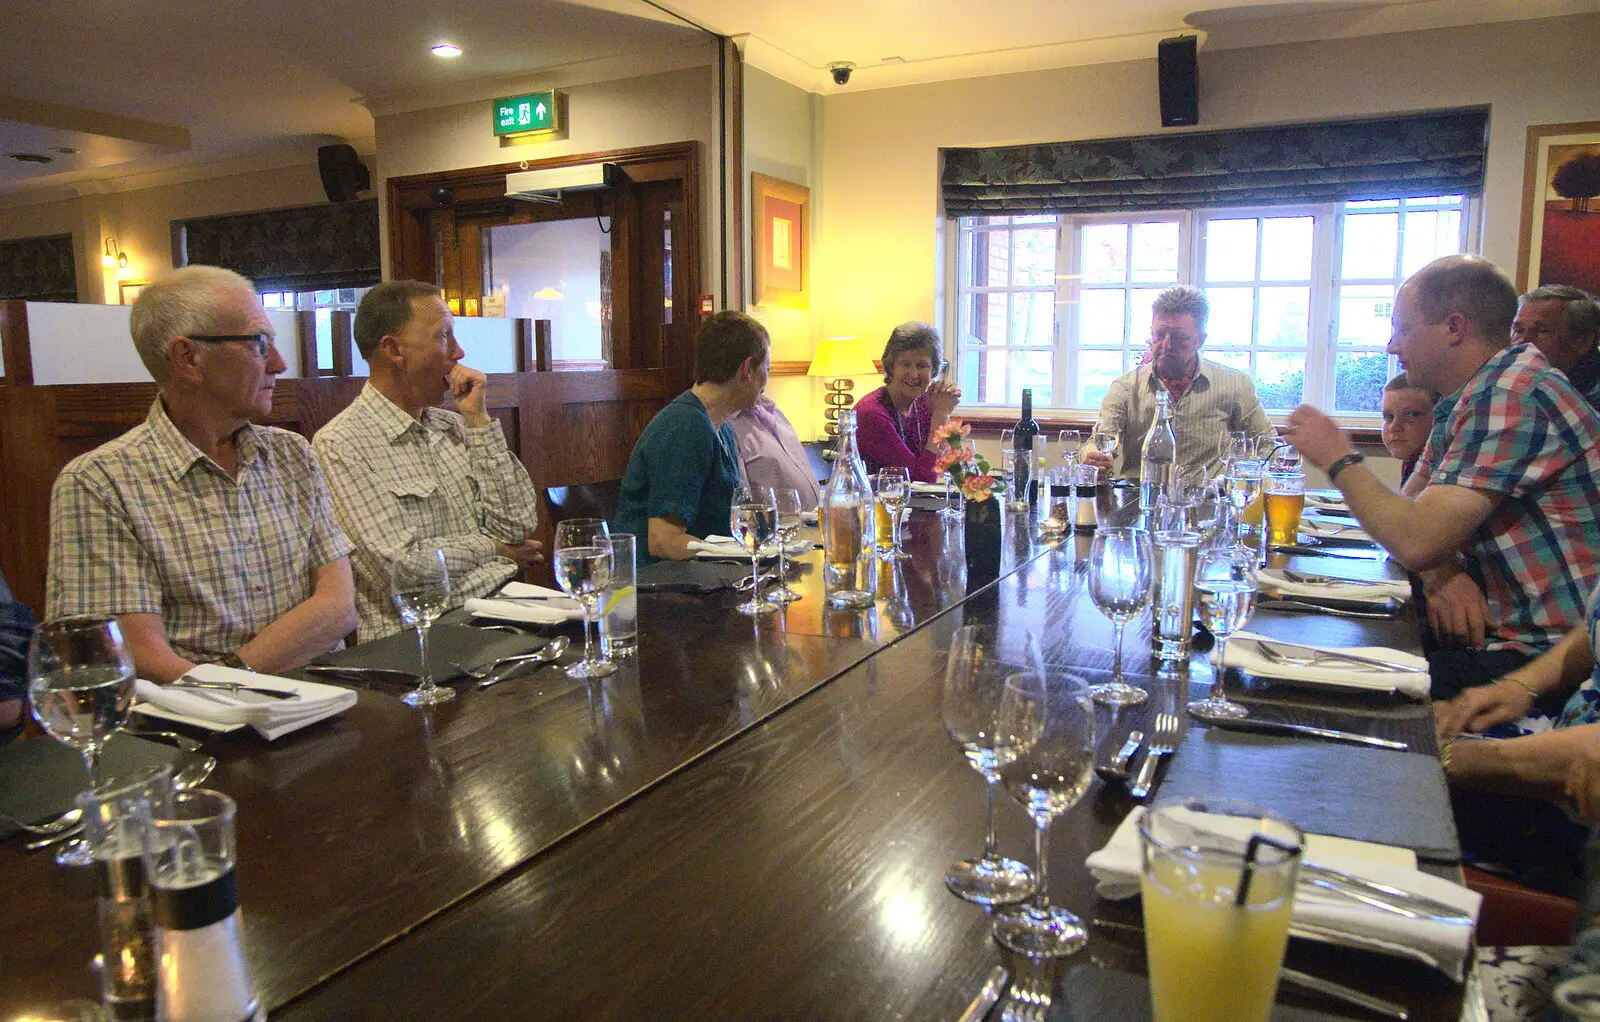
x=842, y=356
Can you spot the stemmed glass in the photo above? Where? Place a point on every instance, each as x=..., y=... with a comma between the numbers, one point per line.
x=1225, y=582
x=894, y=491
x=973, y=683
x=1008, y=454
x=80, y=685
x=1046, y=726
x=1104, y=441
x=583, y=569
x=1121, y=568
x=1071, y=442
x=954, y=505
x=786, y=503
x=419, y=582
x=753, y=522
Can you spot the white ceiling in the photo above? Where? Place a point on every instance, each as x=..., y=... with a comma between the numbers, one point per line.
x=142, y=85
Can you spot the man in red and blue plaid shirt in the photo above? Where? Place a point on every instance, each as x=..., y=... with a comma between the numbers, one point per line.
x=1507, y=490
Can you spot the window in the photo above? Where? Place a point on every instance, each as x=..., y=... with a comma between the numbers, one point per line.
x=325, y=303
x=1300, y=296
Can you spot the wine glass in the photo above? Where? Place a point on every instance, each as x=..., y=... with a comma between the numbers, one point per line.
x=753, y=522
x=1225, y=582
x=1045, y=725
x=954, y=505
x=419, y=581
x=1104, y=441
x=786, y=504
x=974, y=680
x=80, y=685
x=1071, y=442
x=894, y=493
x=1121, y=567
x=1008, y=453
x=583, y=569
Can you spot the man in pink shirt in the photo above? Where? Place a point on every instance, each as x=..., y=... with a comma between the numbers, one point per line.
x=770, y=454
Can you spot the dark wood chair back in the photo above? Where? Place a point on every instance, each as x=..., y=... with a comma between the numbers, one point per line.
x=588, y=500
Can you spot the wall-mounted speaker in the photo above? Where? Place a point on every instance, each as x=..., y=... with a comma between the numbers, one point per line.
x=344, y=176
x=1180, y=81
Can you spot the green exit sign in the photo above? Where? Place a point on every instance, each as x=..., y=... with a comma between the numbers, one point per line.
x=526, y=115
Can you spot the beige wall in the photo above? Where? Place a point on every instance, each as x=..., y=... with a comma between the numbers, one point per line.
x=875, y=251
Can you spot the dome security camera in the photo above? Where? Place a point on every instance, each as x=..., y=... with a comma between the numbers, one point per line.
x=840, y=69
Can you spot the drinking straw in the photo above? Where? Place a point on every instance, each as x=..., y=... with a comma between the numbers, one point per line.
x=1250, y=850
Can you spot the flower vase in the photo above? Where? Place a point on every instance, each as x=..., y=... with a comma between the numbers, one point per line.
x=983, y=542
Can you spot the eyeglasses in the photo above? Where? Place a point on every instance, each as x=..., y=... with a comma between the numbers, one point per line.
x=261, y=341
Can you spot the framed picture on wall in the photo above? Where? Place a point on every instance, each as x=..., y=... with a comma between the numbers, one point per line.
x=128, y=291
x=781, y=242
x=1560, y=241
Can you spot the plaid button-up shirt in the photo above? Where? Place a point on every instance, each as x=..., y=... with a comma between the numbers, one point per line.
x=1217, y=400
x=1519, y=431
x=396, y=480
x=147, y=524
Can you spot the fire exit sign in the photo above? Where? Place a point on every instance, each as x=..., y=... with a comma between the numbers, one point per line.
x=527, y=115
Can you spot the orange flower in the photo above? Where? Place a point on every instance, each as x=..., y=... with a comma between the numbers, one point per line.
x=950, y=431
x=977, y=488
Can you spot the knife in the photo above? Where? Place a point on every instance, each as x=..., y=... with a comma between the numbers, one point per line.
x=1278, y=727
x=1354, y=553
x=382, y=675
x=1331, y=654
x=988, y=994
x=1271, y=602
x=232, y=687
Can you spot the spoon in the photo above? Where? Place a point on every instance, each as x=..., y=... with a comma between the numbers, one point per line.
x=55, y=826
x=551, y=651
x=1117, y=769
x=482, y=671
x=191, y=775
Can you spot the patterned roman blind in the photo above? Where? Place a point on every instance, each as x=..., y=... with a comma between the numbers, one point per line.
x=304, y=248
x=1427, y=154
x=39, y=269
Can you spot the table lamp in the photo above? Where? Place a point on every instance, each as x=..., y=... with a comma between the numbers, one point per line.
x=836, y=360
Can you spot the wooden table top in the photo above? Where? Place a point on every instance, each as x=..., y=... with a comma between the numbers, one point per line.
x=800, y=803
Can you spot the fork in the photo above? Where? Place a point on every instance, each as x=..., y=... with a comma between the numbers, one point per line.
x=1160, y=745
x=1028, y=1000
x=1278, y=656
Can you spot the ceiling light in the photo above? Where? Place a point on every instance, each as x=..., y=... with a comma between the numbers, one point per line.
x=64, y=150
x=29, y=158
x=445, y=50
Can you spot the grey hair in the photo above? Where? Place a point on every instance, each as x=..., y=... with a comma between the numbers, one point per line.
x=908, y=337
x=182, y=303
x=1399, y=381
x=1580, y=311
x=1471, y=285
x=1183, y=300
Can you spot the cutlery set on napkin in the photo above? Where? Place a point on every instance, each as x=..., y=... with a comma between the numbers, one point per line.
x=716, y=548
x=224, y=699
x=1351, y=893
x=1375, y=668
x=530, y=604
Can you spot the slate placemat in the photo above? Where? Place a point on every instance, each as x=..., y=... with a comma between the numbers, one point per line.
x=1392, y=798
x=1092, y=993
x=448, y=644
x=690, y=576
x=39, y=777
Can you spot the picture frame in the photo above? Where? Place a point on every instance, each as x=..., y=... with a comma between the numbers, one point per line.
x=780, y=242
x=1560, y=240
x=128, y=291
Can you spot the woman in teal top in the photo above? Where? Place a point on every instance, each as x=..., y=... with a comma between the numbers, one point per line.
x=685, y=466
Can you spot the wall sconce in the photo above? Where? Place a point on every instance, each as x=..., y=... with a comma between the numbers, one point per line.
x=111, y=258
x=836, y=360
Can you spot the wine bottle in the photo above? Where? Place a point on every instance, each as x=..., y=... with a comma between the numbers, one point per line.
x=1027, y=430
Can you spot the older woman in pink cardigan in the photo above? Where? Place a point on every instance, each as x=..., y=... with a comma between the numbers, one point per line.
x=895, y=423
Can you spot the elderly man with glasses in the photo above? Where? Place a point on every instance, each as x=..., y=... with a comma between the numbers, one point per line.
x=208, y=538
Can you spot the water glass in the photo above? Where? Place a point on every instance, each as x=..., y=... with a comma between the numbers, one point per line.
x=1217, y=881
x=1046, y=727
x=114, y=832
x=974, y=681
x=1285, y=500
x=1022, y=475
x=1120, y=571
x=892, y=487
x=1225, y=582
x=1177, y=545
x=954, y=503
x=419, y=582
x=583, y=570
x=80, y=688
x=619, y=604
x=189, y=856
x=1071, y=442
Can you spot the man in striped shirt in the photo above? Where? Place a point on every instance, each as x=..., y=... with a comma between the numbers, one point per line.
x=1504, y=493
x=403, y=471
x=1208, y=400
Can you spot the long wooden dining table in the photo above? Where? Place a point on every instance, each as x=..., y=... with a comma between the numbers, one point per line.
x=750, y=820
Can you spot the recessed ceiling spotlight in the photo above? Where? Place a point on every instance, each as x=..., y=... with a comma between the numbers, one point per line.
x=29, y=158
x=891, y=60
x=445, y=50
x=64, y=150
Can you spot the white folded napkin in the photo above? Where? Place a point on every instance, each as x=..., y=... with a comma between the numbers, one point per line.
x=1323, y=500
x=726, y=548
x=1328, y=917
x=272, y=717
x=1241, y=653
x=1329, y=528
x=1377, y=591
x=536, y=612
x=935, y=488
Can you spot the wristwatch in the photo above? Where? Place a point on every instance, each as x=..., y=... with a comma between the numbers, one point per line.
x=1353, y=458
x=232, y=660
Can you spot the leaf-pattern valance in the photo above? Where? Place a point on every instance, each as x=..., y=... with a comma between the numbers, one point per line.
x=299, y=249
x=39, y=269
x=1427, y=154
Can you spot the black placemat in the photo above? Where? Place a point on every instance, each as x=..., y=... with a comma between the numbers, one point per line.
x=1093, y=993
x=448, y=645
x=40, y=777
x=1392, y=798
x=690, y=576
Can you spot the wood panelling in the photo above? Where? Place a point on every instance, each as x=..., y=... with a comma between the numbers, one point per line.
x=14, y=345
x=567, y=428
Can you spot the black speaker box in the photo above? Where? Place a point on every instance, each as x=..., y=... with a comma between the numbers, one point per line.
x=344, y=176
x=1180, y=81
